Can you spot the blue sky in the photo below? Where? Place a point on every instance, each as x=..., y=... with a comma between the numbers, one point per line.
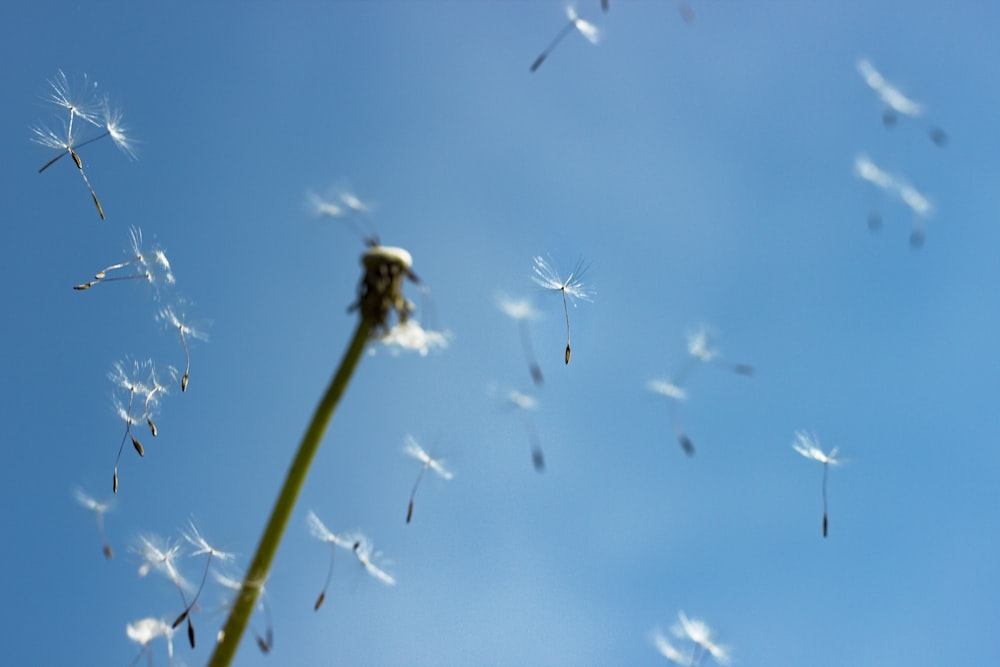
x=705, y=174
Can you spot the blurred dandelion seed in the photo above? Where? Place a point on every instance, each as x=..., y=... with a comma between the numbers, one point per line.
x=161, y=556
x=698, y=632
x=151, y=267
x=347, y=208
x=571, y=289
x=807, y=445
x=883, y=181
x=586, y=29
x=698, y=347
x=414, y=449
x=896, y=102
x=201, y=547
x=323, y=534
x=521, y=311
x=365, y=552
x=99, y=509
x=526, y=404
x=144, y=631
x=668, y=650
x=674, y=394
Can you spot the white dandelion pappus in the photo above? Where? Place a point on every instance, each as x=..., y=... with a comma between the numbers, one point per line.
x=409, y=336
x=144, y=631
x=99, y=509
x=896, y=102
x=884, y=181
x=265, y=641
x=668, y=650
x=365, y=552
x=571, y=289
x=588, y=30
x=675, y=394
x=698, y=632
x=526, y=404
x=201, y=547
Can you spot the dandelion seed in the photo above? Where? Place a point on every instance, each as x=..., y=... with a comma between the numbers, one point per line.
x=807, y=445
x=99, y=509
x=160, y=556
x=586, y=29
x=668, y=650
x=896, y=102
x=201, y=547
x=414, y=449
x=910, y=196
x=144, y=631
x=152, y=267
x=571, y=289
x=522, y=310
x=365, y=552
x=675, y=394
x=698, y=632
x=126, y=377
x=698, y=347
x=323, y=534
x=158, y=387
x=347, y=208
x=526, y=404
x=175, y=319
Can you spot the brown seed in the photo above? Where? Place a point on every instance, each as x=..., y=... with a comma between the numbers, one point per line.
x=319, y=601
x=138, y=446
x=567, y=353
x=107, y=552
x=190, y=633
x=409, y=512
x=152, y=426
x=184, y=382
x=115, y=485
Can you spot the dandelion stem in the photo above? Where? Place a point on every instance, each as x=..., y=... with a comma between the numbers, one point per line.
x=268, y=546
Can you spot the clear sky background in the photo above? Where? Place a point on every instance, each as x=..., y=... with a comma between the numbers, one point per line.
x=705, y=173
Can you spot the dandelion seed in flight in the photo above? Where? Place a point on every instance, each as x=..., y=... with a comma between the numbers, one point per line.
x=698, y=346
x=174, y=318
x=895, y=102
x=152, y=267
x=884, y=182
x=807, y=445
x=129, y=378
x=161, y=556
x=346, y=207
x=81, y=108
x=571, y=289
x=324, y=534
x=365, y=552
x=674, y=394
x=521, y=311
x=201, y=548
x=586, y=29
x=414, y=449
x=144, y=631
x=526, y=404
x=99, y=509
x=702, y=637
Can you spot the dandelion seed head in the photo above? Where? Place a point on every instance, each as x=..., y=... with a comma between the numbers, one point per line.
x=667, y=388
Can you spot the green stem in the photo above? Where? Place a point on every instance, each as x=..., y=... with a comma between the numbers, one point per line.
x=257, y=574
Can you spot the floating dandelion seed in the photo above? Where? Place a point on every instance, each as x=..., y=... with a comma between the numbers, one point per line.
x=365, y=552
x=161, y=556
x=126, y=377
x=346, y=207
x=586, y=29
x=152, y=267
x=323, y=534
x=99, y=509
x=175, y=319
x=526, y=404
x=414, y=449
x=698, y=347
x=668, y=650
x=265, y=641
x=68, y=142
x=201, y=547
x=522, y=310
x=808, y=446
x=144, y=631
x=886, y=182
x=675, y=394
x=571, y=289
x=896, y=102
x=698, y=632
